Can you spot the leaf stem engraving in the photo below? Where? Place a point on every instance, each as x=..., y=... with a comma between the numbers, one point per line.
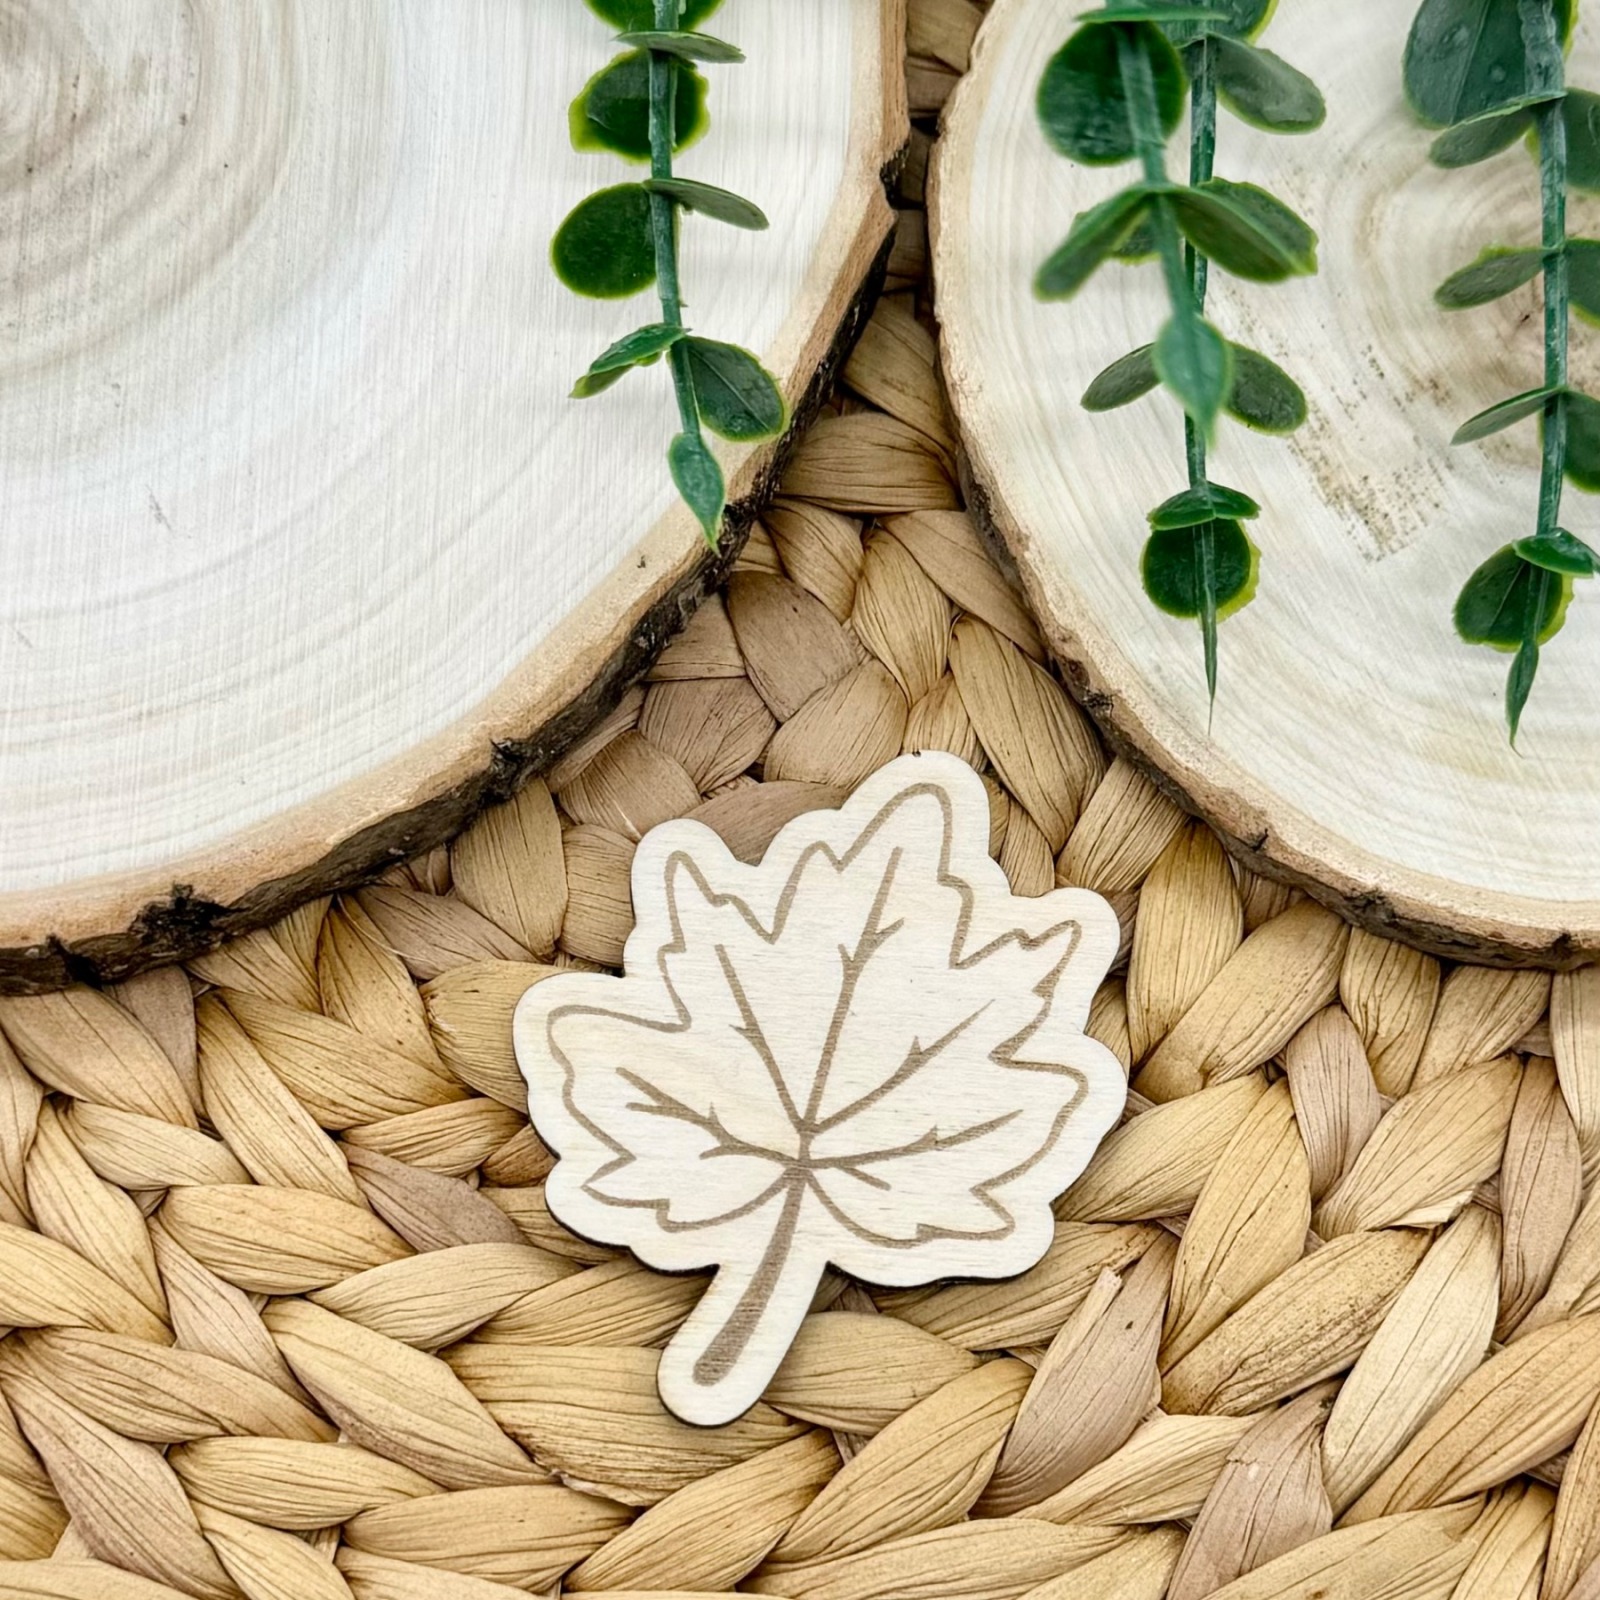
x=728, y=1343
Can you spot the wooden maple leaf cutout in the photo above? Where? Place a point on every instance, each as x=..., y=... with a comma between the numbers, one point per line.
x=864, y=1051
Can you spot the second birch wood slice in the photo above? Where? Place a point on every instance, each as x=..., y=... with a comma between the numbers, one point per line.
x=1358, y=746
x=307, y=550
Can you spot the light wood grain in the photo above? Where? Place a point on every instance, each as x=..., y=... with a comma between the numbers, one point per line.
x=304, y=534
x=863, y=1051
x=1358, y=746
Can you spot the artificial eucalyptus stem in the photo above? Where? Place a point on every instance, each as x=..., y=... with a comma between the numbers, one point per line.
x=1114, y=92
x=1486, y=86
x=663, y=214
x=1144, y=118
x=624, y=238
x=1545, y=76
x=1186, y=291
x=1202, y=165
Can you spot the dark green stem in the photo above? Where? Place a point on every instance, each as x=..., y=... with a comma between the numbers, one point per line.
x=1144, y=118
x=1202, y=163
x=1545, y=76
x=663, y=212
x=1185, y=271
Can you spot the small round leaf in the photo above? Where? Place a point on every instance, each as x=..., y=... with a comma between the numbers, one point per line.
x=1508, y=600
x=1465, y=57
x=1560, y=552
x=1240, y=19
x=1095, y=236
x=1580, y=110
x=1495, y=273
x=1263, y=89
x=1173, y=569
x=1583, y=441
x=722, y=205
x=636, y=16
x=686, y=46
x=737, y=396
x=1127, y=379
x=1171, y=13
x=641, y=348
x=1245, y=230
x=1264, y=397
x=1583, y=277
x=1081, y=104
x=1207, y=502
x=1478, y=138
x=699, y=480
x=605, y=248
x=1501, y=415
x=613, y=111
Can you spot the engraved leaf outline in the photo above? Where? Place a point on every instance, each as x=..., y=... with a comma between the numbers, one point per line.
x=1021, y=1105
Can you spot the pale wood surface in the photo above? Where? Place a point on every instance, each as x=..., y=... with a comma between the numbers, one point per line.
x=863, y=1051
x=1358, y=746
x=300, y=523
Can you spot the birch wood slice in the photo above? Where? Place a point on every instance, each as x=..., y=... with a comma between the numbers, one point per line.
x=307, y=551
x=1358, y=747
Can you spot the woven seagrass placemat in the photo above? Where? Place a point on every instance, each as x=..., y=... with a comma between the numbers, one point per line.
x=291, y=1319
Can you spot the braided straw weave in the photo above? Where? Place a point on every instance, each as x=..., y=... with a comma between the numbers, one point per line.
x=291, y=1320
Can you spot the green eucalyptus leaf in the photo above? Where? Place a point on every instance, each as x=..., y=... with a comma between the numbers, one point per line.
x=641, y=348
x=1173, y=569
x=613, y=111
x=1581, y=113
x=1081, y=105
x=1239, y=19
x=700, y=482
x=1196, y=364
x=1509, y=599
x=722, y=205
x=1245, y=230
x=1140, y=245
x=1264, y=397
x=1519, y=685
x=1502, y=414
x=593, y=383
x=637, y=16
x=685, y=46
x=1480, y=137
x=1560, y=552
x=738, y=398
x=1127, y=379
x=1264, y=90
x=1583, y=441
x=1583, y=277
x=1207, y=502
x=605, y=249
x=1296, y=237
x=1205, y=571
x=1465, y=57
x=1495, y=273
x=1150, y=11
x=1093, y=238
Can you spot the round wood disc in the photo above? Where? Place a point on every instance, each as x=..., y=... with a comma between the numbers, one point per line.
x=307, y=548
x=1358, y=746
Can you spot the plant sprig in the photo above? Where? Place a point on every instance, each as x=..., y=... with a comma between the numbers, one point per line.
x=647, y=105
x=1491, y=72
x=1115, y=92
